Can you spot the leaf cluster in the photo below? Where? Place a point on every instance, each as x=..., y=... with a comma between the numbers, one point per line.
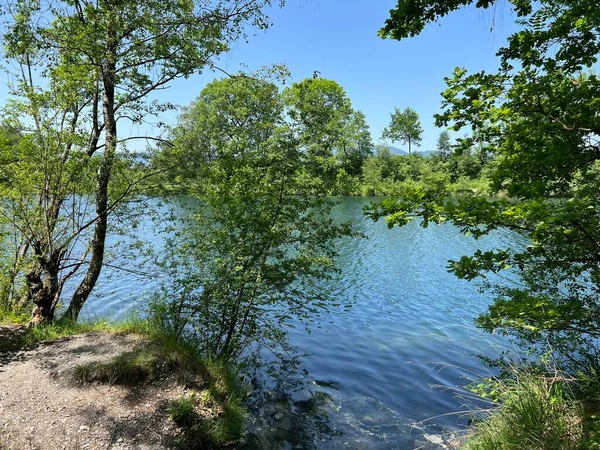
x=259, y=236
x=538, y=116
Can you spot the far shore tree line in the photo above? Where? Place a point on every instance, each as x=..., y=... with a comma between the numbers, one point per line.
x=340, y=158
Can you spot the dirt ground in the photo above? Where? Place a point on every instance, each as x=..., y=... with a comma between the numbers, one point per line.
x=42, y=407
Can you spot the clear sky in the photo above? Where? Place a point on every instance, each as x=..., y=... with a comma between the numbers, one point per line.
x=339, y=39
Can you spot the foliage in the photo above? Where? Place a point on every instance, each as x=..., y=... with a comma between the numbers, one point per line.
x=404, y=127
x=444, y=145
x=182, y=410
x=80, y=69
x=202, y=432
x=535, y=412
x=259, y=237
x=388, y=174
x=337, y=151
x=355, y=145
x=332, y=134
x=538, y=116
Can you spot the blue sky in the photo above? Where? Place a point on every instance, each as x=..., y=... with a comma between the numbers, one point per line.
x=339, y=39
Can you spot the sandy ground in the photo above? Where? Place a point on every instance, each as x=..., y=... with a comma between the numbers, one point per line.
x=41, y=407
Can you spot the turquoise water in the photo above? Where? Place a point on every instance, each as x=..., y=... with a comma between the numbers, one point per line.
x=387, y=366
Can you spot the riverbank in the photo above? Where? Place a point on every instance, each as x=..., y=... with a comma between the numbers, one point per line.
x=399, y=347
x=112, y=390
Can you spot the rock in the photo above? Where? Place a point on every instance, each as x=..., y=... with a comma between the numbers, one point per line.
x=434, y=439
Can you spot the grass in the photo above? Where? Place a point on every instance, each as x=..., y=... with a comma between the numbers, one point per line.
x=62, y=329
x=183, y=411
x=535, y=412
x=13, y=316
x=159, y=357
x=207, y=422
x=213, y=419
x=127, y=369
x=223, y=394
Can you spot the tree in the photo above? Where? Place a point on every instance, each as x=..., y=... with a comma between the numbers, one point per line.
x=331, y=132
x=404, y=127
x=82, y=68
x=444, y=145
x=539, y=116
x=355, y=145
x=260, y=237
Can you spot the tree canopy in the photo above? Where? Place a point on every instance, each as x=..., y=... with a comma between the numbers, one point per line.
x=444, y=145
x=260, y=235
x=538, y=115
x=80, y=69
x=404, y=127
x=335, y=137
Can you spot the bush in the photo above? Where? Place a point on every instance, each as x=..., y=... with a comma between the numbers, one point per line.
x=182, y=411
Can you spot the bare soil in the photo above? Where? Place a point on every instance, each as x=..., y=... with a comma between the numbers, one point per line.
x=42, y=407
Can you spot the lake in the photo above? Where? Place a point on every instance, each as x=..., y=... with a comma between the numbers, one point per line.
x=386, y=368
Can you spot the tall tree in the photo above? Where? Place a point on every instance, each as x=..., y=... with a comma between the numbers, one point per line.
x=355, y=145
x=260, y=236
x=404, y=127
x=444, y=145
x=327, y=126
x=82, y=68
x=540, y=118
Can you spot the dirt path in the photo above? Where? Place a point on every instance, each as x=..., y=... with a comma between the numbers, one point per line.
x=41, y=407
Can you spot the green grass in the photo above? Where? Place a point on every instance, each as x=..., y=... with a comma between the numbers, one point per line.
x=12, y=316
x=156, y=358
x=208, y=422
x=162, y=355
x=535, y=413
x=128, y=368
x=224, y=393
x=183, y=411
x=216, y=418
x=64, y=328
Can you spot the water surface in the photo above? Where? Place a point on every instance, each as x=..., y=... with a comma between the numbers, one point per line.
x=387, y=365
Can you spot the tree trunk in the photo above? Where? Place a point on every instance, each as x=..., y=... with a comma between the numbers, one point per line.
x=98, y=242
x=44, y=292
x=38, y=294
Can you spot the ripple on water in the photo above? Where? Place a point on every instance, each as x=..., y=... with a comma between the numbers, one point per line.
x=401, y=343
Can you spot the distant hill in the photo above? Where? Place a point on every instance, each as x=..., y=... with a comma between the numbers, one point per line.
x=399, y=151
